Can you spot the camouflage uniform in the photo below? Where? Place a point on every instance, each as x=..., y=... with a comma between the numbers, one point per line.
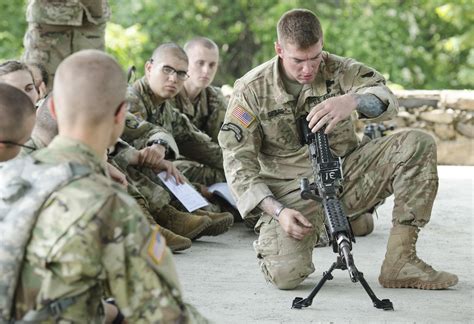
x=263, y=157
x=100, y=245
x=141, y=186
x=35, y=144
x=148, y=121
x=57, y=29
x=207, y=113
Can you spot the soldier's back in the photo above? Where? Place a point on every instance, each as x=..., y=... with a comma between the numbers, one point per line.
x=91, y=241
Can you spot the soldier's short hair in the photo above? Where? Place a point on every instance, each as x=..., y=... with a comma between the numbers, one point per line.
x=299, y=27
x=15, y=108
x=11, y=66
x=88, y=86
x=170, y=47
x=202, y=41
x=46, y=127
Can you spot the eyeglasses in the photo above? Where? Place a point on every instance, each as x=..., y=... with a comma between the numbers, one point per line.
x=182, y=75
x=17, y=144
x=169, y=70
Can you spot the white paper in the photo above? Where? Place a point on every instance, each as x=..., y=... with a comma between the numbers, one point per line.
x=222, y=190
x=185, y=193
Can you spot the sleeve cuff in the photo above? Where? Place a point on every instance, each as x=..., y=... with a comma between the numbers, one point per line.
x=173, y=147
x=250, y=199
x=387, y=97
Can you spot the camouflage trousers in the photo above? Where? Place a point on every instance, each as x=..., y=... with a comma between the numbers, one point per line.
x=196, y=172
x=50, y=44
x=402, y=164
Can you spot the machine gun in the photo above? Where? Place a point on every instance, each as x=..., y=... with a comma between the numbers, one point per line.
x=328, y=178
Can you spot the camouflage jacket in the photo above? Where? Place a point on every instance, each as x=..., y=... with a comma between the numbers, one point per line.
x=91, y=241
x=148, y=121
x=207, y=113
x=67, y=12
x=33, y=144
x=143, y=184
x=260, y=139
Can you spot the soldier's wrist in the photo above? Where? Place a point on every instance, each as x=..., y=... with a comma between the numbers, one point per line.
x=160, y=142
x=276, y=214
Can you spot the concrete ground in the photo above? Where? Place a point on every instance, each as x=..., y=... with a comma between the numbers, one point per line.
x=220, y=276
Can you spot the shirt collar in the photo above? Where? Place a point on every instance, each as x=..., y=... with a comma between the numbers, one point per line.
x=78, y=152
x=314, y=89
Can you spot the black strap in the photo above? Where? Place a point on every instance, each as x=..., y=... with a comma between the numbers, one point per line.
x=53, y=309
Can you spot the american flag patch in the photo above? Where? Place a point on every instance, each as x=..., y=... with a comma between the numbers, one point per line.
x=156, y=246
x=243, y=116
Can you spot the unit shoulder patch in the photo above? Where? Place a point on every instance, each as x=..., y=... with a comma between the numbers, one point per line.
x=235, y=129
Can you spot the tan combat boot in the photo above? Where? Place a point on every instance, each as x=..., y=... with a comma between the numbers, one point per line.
x=403, y=269
x=174, y=241
x=363, y=225
x=182, y=223
x=221, y=222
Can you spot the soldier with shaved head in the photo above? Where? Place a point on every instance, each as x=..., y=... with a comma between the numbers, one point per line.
x=17, y=118
x=91, y=240
x=155, y=126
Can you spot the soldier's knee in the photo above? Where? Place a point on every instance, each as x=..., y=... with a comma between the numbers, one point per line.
x=283, y=274
x=284, y=279
x=420, y=140
x=363, y=225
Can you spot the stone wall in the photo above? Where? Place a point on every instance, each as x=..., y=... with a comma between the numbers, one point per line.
x=447, y=114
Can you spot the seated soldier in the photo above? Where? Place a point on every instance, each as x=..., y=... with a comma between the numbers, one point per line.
x=18, y=75
x=101, y=243
x=154, y=124
x=202, y=103
x=153, y=199
x=17, y=117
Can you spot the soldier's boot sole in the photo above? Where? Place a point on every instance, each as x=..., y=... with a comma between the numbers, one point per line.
x=221, y=223
x=403, y=269
x=198, y=229
x=418, y=284
x=180, y=246
x=174, y=241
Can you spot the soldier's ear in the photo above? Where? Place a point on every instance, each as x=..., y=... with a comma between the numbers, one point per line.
x=52, y=108
x=148, y=66
x=121, y=111
x=278, y=49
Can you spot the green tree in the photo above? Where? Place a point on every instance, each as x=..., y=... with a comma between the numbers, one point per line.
x=419, y=44
x=12, y=28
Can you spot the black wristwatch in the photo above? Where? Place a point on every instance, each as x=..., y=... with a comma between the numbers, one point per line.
x=160, y=142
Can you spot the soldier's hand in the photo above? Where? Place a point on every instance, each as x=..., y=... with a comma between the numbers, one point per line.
x=171, y=171
x=151, y=156
x=294, y=223
x=330, y=112
x=117, y=175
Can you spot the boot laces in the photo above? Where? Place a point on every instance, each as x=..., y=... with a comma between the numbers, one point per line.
x=416, y=260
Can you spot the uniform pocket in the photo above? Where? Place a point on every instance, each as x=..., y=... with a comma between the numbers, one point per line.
x=280, y=132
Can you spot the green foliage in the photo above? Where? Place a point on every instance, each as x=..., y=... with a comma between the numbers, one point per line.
x=12, y=29
x=420, y=44
x=126, y=44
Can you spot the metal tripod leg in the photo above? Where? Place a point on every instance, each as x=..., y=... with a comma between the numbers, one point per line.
x=299, y=302
x=384, y=304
